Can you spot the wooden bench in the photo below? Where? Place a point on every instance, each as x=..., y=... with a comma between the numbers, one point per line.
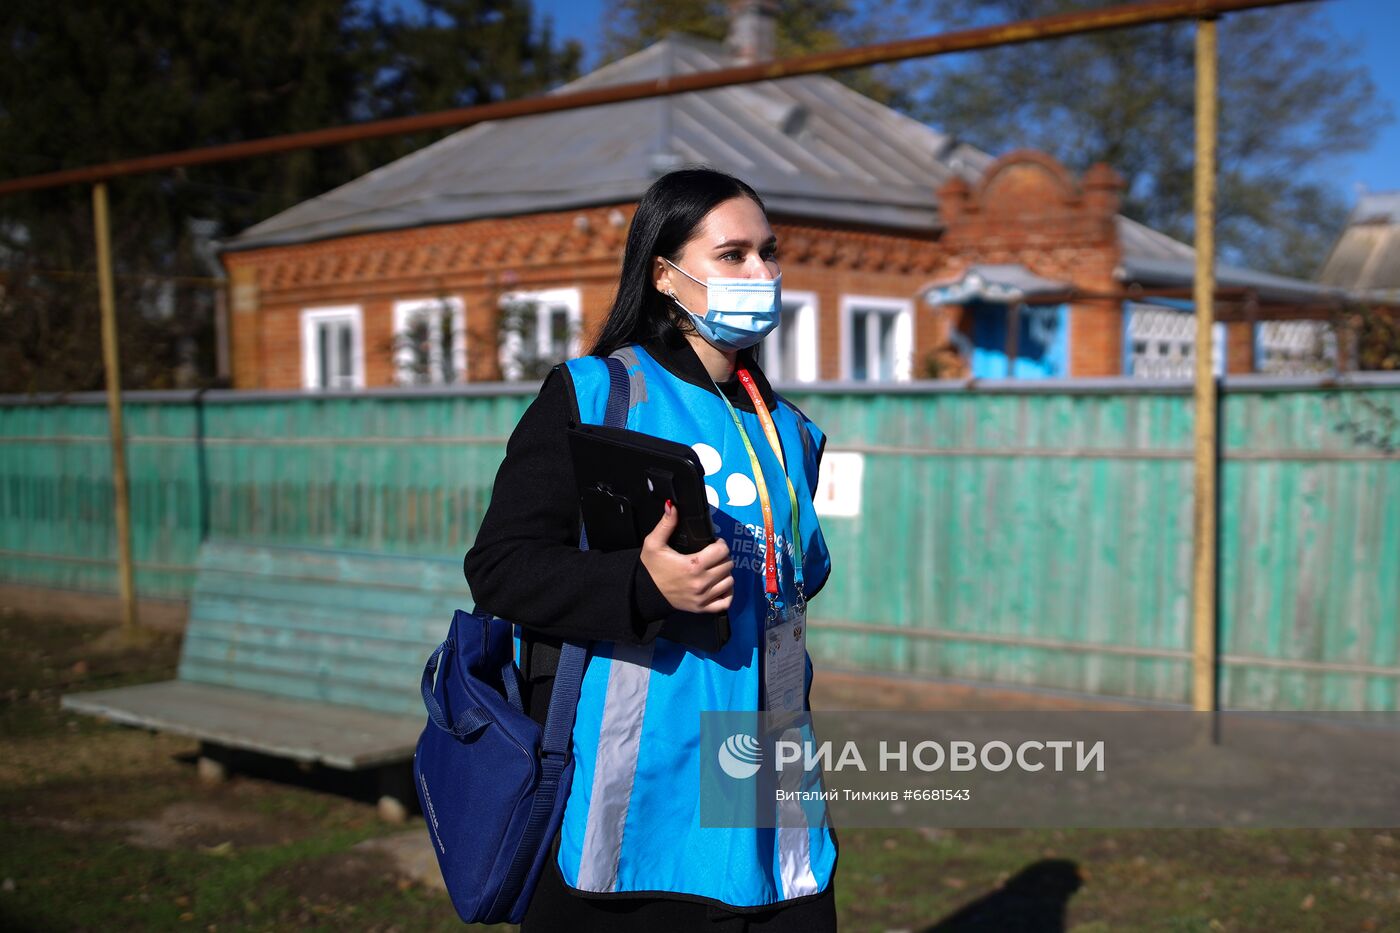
x=299, y=653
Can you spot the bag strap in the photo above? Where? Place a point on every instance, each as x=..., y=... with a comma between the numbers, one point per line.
x=471, y=719
x=563, y=698
x=568, y=676
x=615, y=416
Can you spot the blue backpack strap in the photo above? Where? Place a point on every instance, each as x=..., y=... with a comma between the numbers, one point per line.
x=619, y=393
x=568, y=681
x=568, y=677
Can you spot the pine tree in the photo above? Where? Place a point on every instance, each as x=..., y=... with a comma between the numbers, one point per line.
x=89, y=82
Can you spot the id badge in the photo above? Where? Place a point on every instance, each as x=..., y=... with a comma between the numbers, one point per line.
x=785, y=662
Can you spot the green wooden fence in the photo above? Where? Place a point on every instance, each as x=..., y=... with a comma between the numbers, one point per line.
x=1031, y=534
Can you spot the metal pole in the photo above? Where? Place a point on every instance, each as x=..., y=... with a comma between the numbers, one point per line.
x=223, y=367
x=106, y=292
x=1203, y=641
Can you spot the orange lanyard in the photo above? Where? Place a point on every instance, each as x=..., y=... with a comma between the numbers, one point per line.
x=770, y=430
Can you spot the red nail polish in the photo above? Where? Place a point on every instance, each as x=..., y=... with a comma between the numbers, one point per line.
x=668, y=505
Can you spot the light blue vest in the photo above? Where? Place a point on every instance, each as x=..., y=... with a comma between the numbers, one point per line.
x=632, y=819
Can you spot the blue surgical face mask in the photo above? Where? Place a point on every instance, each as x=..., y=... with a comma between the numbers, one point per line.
x=741, y=311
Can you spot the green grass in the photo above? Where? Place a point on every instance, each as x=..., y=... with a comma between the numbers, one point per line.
x=104, y=828
x=1267, y=880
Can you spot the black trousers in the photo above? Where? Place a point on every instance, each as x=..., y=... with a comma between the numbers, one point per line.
x=556, y=909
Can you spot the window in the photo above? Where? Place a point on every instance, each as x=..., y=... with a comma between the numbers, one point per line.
x=879, y=339
x=1161, y=342
x=789, y=354
x=332, y=348
x=1294, y=348
x=538, y=329
x=430, y=342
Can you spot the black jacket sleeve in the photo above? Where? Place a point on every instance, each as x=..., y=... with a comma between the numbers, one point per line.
x=525, y=565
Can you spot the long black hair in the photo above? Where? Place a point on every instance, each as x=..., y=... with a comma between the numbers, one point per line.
x=665, y=221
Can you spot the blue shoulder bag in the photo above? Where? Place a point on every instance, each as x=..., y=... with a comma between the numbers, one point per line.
x=491, y=782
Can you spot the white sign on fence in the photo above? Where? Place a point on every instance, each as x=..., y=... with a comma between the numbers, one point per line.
x=838, y=484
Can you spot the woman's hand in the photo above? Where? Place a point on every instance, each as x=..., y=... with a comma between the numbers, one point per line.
x=699, y=582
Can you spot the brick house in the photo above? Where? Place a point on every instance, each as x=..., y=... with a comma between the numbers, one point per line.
x=905, y=253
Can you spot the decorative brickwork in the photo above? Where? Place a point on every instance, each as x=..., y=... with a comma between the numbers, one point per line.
x=1029, y=209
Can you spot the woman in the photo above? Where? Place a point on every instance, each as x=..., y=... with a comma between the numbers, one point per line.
x=698, y=291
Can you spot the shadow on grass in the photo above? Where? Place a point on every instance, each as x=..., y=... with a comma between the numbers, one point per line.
x=1034, y=900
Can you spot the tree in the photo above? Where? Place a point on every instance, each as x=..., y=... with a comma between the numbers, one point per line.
x=1377, y=337
x=88, y=82
x=1292, y=99
x=809, y=26
x=456, y=53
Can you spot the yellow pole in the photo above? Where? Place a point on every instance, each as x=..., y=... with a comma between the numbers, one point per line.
x=125, y=577
x=1203, y=654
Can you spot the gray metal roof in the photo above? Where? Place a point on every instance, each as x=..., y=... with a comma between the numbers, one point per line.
x=1140, y=241
x=809, y=145
x=1151, y=258
x=999, y=282
x=1181, y=272
x=1366, y=258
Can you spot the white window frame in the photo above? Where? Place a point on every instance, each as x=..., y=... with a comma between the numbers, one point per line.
x=547, y=299
x=311, y=318
x=803, y=321
x=403, y=356
x=902, y=309
x=1183, y=348
x=1275, y=341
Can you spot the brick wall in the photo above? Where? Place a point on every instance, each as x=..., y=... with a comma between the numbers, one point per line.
x=475, y=261
x=1239, y=347
x=479, y=260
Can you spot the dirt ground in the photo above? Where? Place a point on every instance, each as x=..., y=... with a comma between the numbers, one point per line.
x=107, y=828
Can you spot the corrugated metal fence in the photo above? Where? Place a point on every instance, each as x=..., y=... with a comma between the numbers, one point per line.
x=1035, y=534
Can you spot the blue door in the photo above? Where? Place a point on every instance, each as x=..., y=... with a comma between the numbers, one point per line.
x=1042, y=346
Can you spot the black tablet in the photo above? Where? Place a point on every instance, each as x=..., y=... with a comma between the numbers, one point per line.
x=624, y=479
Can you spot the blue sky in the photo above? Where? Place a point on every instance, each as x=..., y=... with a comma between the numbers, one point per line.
x=1374, y=25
